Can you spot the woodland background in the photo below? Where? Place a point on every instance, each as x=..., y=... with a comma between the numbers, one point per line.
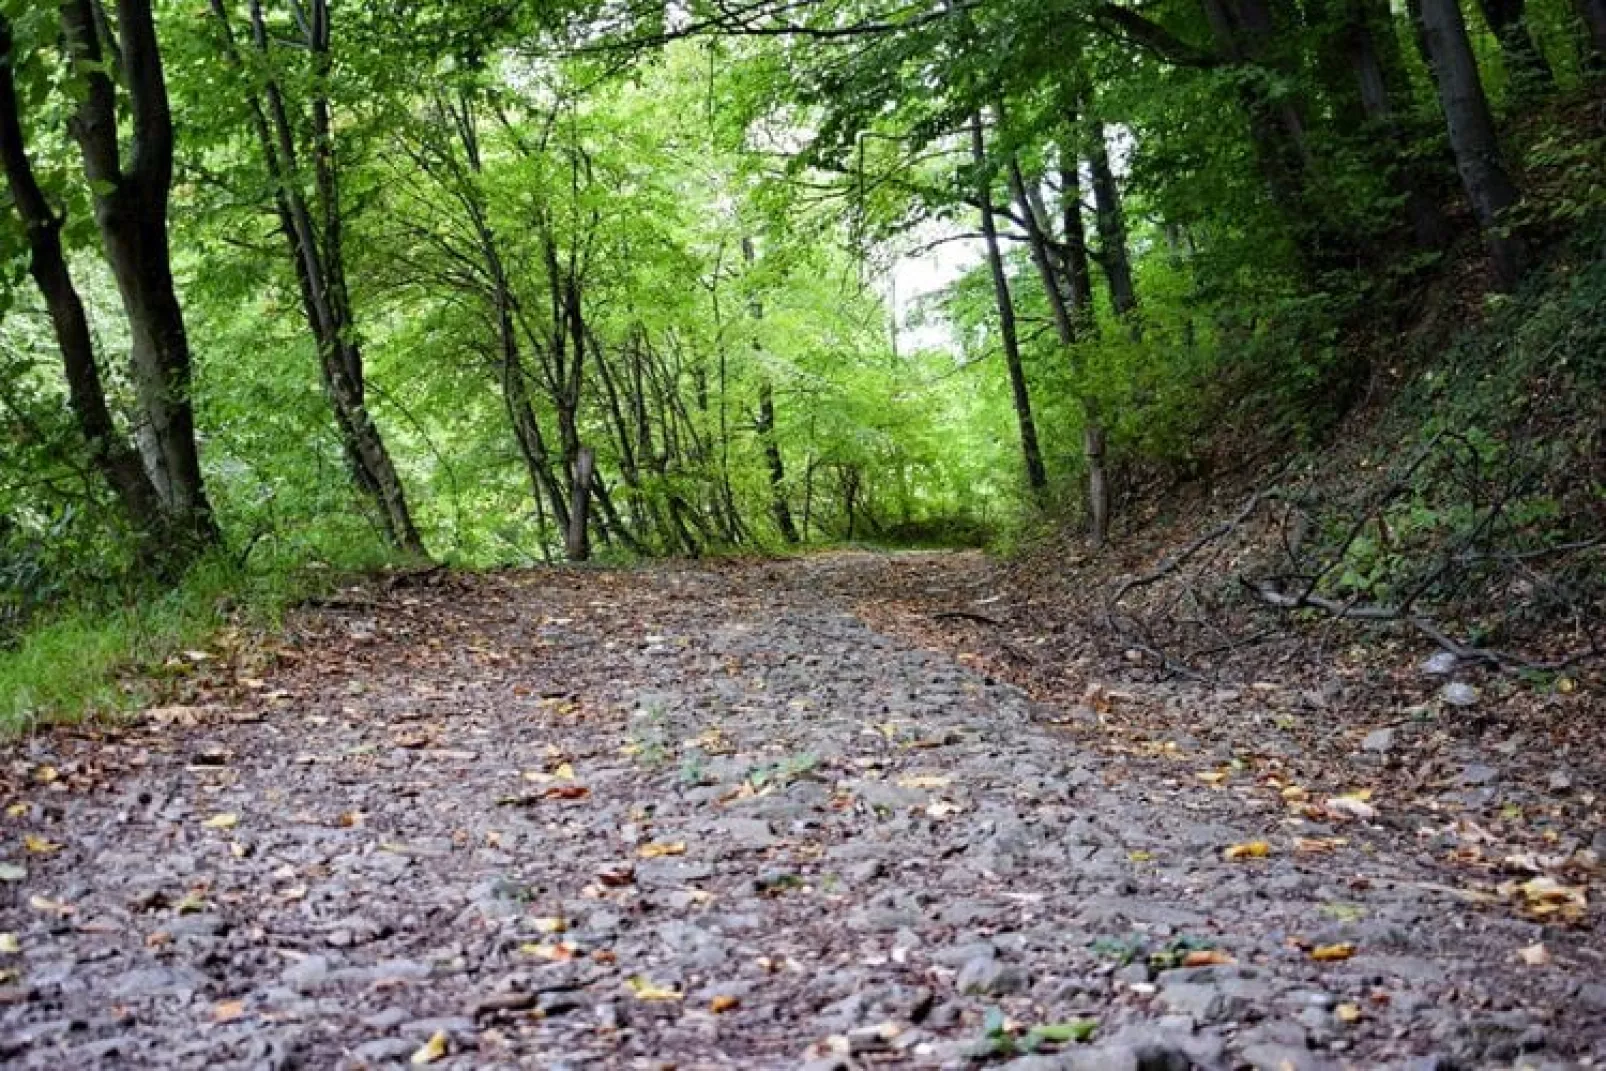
x=299, y=287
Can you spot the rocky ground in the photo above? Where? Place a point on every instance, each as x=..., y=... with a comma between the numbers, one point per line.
x=708, y=816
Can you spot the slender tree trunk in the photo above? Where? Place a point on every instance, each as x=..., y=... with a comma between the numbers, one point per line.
x=111, y=454
x=1111, y=221
x=1036, y=474
x=1380, y=80
x=312, y=235
x=1472, y=135
x=131, y=216
x=765, y=426
x=1065, y=328
x=1526, y=67
x=1078, y=273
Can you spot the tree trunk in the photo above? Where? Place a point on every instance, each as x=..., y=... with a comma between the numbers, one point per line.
x=1380, y=80
x=1078, y=274
x=1593, y=12
x=1111, y=222
x=1036, y=475
x=1472, y=135
x=1098, y=502
x=576, y=544
x=312, y=240
x=111, y=454
x=1526, y=67
x=765, y=426
x=131, y=216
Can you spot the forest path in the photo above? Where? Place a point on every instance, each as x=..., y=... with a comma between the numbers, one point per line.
x=773, y=835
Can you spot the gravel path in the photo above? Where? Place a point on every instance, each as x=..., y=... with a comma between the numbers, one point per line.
x=702, y=817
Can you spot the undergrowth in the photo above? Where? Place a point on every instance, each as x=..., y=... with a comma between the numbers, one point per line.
x=111, y=652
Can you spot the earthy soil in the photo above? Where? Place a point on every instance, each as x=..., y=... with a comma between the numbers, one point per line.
x=767, y=814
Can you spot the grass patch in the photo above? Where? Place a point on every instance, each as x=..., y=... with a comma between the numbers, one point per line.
x=106, y=654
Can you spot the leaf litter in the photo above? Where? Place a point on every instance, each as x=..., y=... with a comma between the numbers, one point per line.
x=774, y=833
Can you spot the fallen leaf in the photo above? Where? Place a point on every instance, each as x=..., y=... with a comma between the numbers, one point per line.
x=550, y=924
x=1254, y=849
x=645, y=989
x=1546, y=898
x=1140, y=856
x=616, y=876
x=39, y=845
x=1318, y=845
x=925, y=781
x=1352, y=806
x=431, y=1050
x=942, y=809
x=1348, y=1013
x=45, y=774
x=222, y=821
x=13, y=872
x=657, y=849
x=54, y=907
x=9, y=945
x=18, y=810
x=1213, y=777
x=564, y=772
x=1535, y=955
x=1333, y=953
x=724, y=1003
x=1207, y=957
x=566, y=792
x=227, y=1011
x=1295, y=794
x=555, y=952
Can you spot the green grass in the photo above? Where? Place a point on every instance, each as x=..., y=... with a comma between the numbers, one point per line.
x=105, y=655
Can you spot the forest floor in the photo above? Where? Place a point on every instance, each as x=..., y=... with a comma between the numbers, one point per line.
x=760, y=814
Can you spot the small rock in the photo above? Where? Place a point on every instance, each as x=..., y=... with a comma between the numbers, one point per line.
x=382, y=1050
x=985, y=976
x=1441, y=664
x=1478, y=774
x=1458, y=694
x=1379, y=740
x=1560, y=781
x=309, y=973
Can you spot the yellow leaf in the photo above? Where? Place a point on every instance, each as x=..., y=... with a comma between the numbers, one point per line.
x=431, y=1050
x=724, y=1003
x=1565, y=685
x=925, y=781
x=1213, y=777
x=45, y=774
x=1332, y=953
x=1545, y=897
x=564, y=772
x=227, y=1011
x=222, y=821
x=645, y=989
x=1348, y=1013
x=550, y=924
x=18, y=810
x=559, y=952
x=1207, y=957
x=39, y=845
x=1255, y=849
x=238, y=850
x=1140, y=856
x=191, y=904
x=1535, y=955
x=1295, y=794
x=661, y=848
x=9, y=944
